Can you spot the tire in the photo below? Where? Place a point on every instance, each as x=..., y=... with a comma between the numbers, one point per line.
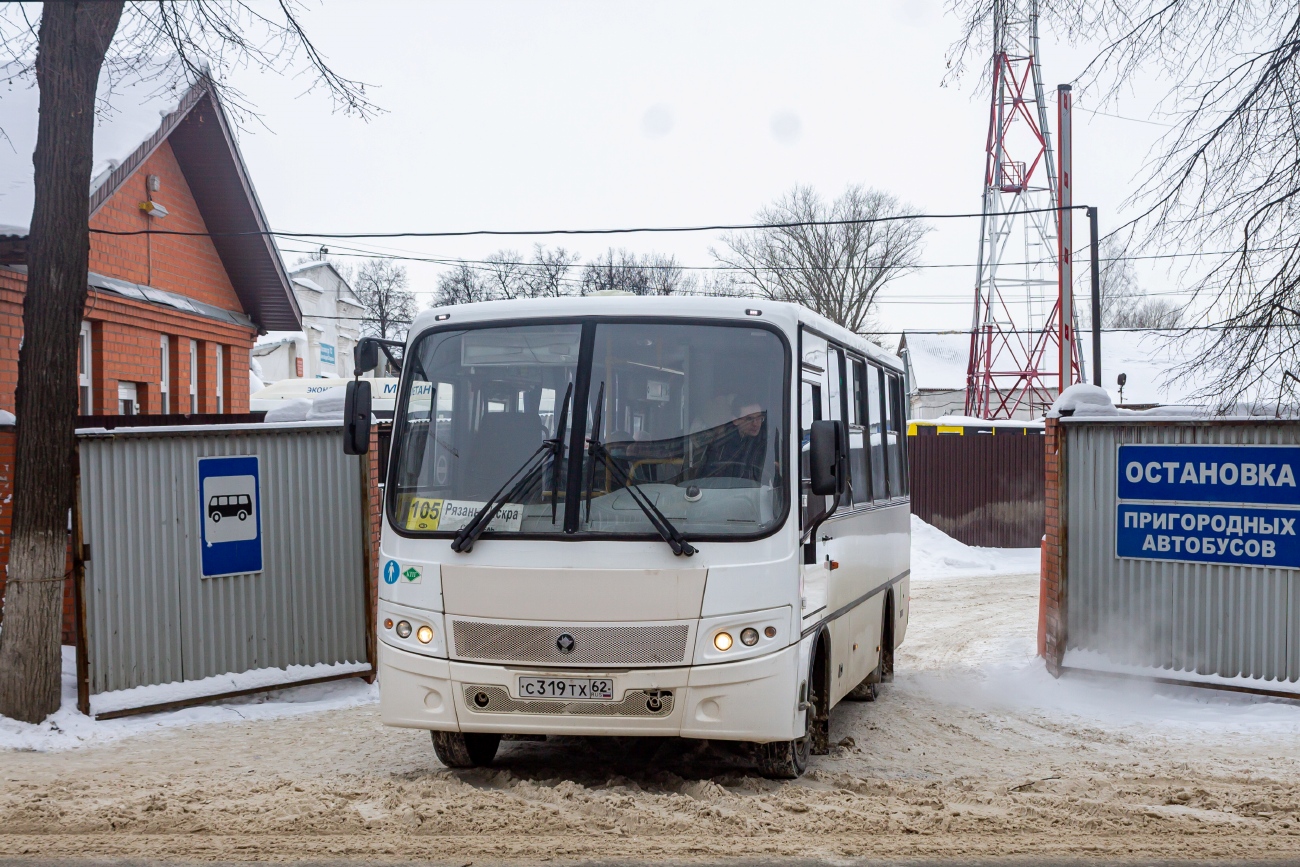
x=787, y=760
x=216, y=517
x=243, y=516
x=465, y=749
x=867, y=690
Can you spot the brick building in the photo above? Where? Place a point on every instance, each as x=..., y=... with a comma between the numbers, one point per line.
x=170, y=319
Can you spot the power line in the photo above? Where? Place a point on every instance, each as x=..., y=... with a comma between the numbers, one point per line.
x=721, y=227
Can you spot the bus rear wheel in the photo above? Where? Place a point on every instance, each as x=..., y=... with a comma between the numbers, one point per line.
x=465, y=749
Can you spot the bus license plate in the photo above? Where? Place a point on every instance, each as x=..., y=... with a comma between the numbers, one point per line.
x=579, y=688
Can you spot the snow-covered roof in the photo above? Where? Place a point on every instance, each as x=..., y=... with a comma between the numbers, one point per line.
x=938, y=361
x=132, y=115
x=309, y=284
x=1147, y=358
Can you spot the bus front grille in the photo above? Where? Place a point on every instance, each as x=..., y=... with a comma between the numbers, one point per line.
x=660, y=644
x=636, y=702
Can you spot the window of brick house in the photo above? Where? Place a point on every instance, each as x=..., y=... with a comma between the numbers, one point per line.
x=194, y=375
x=164, y=374
x=128, y=398
x=221, y=378
x=85, y=391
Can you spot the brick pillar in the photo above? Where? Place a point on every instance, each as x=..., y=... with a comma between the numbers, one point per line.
x=1054, y=585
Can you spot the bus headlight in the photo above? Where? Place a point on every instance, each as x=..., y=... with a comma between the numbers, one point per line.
x=403, y=629
x=722, y=641
x=749, y=636
x=424, y=634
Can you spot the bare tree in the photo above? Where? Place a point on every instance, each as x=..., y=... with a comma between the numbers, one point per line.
x=1227, y=177
x=548, y=274
x=381, y=285
x=164, y=42
x=863, y=240
x=1123, y=303
x=623, y=271
x=505, y=275
x=462, y=285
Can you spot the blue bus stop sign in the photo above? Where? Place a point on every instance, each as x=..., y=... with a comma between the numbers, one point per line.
x=230, y=502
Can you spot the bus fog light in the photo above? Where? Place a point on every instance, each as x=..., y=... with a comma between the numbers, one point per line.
x=424, y=634
x=403, y=629
x=770, y=632
x=749, y=636
x=722, y=641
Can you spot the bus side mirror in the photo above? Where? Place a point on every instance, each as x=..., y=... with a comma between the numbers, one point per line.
x=366, y=355
x=825, y=452
x=356, y=418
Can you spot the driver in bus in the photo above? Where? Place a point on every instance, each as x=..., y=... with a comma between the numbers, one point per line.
x=738, y=448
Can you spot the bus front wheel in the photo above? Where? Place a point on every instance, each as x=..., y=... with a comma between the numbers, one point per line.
x=465, y=749
x=787, y=760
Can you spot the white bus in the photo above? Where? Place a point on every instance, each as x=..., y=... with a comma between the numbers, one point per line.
x=638, y=516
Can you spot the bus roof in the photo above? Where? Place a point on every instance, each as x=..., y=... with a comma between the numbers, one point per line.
x=782, y=314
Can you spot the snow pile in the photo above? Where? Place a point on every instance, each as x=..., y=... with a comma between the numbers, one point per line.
x=7, y=417
x=328, y=405
x=1083, y=399
x=936, y=556
x=289, y=410
x=68, y=728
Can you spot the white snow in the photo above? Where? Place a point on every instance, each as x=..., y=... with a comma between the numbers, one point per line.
x=972, y=421
x=938, y=556
x=7, y=417
x=289, y=410
x=328, y=405
x=68, y=728
x=1083, y=399
x=161, y=693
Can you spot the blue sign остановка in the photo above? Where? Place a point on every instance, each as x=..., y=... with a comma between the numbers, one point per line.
x=1210, y=474
x=1180, y=513
x=230, y=519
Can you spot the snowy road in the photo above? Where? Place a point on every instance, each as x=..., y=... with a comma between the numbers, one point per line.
x=973, y=752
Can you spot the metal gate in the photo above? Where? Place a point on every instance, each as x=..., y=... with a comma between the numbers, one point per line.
x=149, y=616
x=1219, y=624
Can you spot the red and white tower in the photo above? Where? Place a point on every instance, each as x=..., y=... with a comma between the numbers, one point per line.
x=1017, y=330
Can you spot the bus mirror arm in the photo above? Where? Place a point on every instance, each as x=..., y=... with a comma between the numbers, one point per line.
x=827, y=468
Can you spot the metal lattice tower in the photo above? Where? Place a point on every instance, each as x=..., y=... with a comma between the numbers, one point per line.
x=1014, y=364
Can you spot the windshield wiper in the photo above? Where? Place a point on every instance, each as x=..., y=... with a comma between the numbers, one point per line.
x=596, y=449
x=518, y=483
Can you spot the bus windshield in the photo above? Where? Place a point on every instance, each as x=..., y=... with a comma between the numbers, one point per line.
x=693, y=415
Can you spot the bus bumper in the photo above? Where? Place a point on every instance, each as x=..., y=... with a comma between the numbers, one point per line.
x=750, y=700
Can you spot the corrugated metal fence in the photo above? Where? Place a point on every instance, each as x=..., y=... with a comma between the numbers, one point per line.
x=982, y=489
x=151, y=618
x=1186, y=621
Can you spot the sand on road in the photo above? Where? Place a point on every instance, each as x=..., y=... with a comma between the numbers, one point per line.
x=973, y=751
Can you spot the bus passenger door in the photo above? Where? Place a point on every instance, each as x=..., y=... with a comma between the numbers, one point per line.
x=812, y=407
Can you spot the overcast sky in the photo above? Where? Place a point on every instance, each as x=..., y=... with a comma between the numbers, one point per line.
x=514, y=115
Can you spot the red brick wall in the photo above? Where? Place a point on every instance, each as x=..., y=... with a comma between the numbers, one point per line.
x=188, y=266
x=1054, y=584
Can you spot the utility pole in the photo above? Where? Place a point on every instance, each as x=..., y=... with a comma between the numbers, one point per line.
x=1065, y=239
x=1096, y=297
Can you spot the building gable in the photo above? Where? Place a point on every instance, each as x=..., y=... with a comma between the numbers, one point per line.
x=188, y=265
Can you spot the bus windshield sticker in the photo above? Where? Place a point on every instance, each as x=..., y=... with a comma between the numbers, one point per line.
x=429, y=515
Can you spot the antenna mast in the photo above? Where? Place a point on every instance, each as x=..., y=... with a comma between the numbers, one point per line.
x=1014, y=365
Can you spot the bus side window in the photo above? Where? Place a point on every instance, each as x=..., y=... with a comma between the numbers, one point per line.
x=898, y=469
x=876, y=431
x=894, y=448
x=859, y=419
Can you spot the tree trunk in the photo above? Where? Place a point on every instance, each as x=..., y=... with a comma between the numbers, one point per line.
x=74, y=37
